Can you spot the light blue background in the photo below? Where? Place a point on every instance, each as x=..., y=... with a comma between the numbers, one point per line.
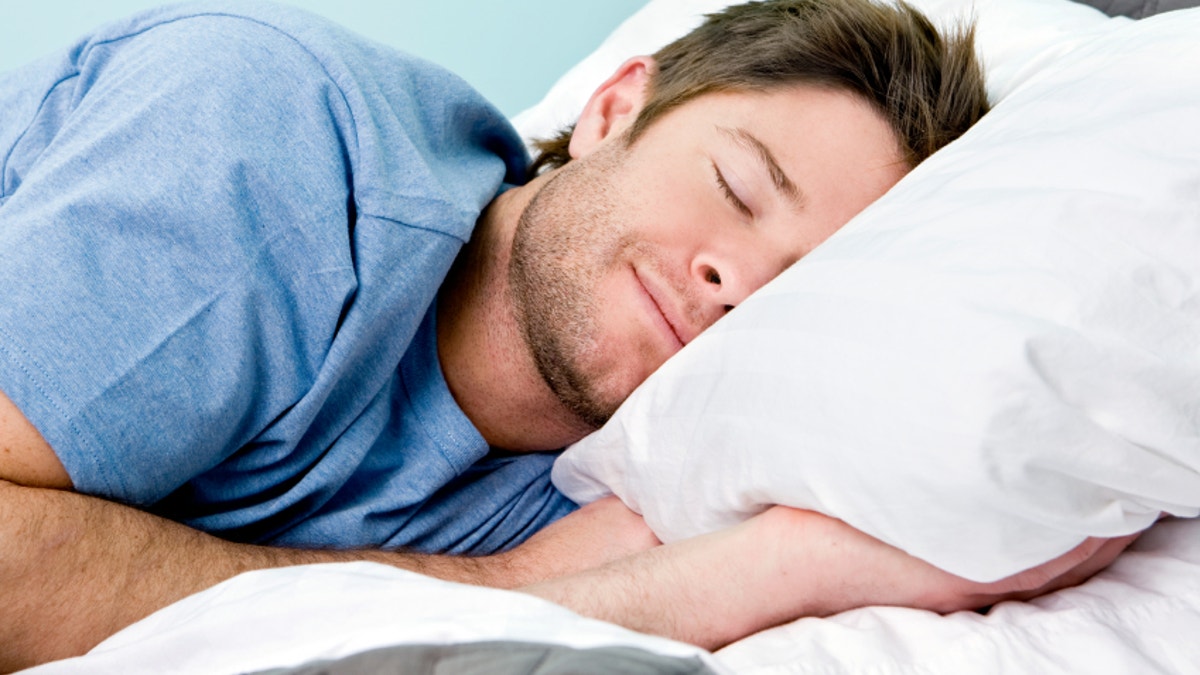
x=511, y=50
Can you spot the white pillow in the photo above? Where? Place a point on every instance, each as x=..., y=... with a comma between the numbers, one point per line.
x=997, y=359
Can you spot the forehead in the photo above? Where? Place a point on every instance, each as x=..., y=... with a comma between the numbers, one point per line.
x=811, y=112
x=830, y=141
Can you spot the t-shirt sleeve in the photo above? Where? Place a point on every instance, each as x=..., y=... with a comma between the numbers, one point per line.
x=170, y=279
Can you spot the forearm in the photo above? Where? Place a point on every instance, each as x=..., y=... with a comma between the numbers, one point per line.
x=708, y=591
x=76, y=569
x=785, y=564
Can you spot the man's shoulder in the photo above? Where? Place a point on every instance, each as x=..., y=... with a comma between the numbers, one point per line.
x=422, y=146
x=230, y=31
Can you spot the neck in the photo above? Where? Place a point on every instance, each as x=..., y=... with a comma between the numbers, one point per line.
x=483, y=354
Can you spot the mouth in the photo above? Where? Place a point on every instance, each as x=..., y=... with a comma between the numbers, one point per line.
x=667, y=322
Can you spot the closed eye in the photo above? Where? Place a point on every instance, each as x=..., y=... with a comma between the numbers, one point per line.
x=730, y=194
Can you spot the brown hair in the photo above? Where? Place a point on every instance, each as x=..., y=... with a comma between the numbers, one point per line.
x=927, y=85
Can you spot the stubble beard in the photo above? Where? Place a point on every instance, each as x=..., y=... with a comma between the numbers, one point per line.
x=564, y=238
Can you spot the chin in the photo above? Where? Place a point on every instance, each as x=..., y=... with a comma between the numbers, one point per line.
x=616, y=394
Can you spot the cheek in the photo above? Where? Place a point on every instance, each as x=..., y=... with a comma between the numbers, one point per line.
x=862, y=189
x=621, y=330
x=668, y=200
x=625, y=350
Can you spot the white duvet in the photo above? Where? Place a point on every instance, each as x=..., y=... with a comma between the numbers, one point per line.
x=1142, y=615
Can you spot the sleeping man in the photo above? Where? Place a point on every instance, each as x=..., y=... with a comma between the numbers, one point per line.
x=276, y=295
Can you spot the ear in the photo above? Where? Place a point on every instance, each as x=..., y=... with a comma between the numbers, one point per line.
x=613, y=106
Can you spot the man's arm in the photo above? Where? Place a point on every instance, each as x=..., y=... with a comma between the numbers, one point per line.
x=75, y=569
x=25, y=457
x=785, y=564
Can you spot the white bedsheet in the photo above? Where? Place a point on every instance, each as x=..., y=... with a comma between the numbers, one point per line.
x=1142, y=615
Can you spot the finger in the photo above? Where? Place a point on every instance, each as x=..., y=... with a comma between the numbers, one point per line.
x=1097, y=561
x=1038, y=577
x=1104, y=557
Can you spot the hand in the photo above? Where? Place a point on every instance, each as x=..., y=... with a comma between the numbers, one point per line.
x=596, y=534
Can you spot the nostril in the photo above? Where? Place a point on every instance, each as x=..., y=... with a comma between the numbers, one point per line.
x=712, y=277
x=728, y=308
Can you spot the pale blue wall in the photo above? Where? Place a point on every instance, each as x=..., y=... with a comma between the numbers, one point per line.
x=501, y=46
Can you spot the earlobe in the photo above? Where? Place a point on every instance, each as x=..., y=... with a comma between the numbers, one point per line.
x=613, y=106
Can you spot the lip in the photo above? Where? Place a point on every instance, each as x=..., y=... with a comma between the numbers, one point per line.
x=665, y=313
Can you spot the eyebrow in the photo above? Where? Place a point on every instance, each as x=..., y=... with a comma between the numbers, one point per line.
x=763, y=154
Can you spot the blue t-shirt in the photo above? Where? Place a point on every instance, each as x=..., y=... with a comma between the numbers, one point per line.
x=222, y=229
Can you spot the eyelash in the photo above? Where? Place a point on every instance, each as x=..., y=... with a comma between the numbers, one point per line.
x=730, y=194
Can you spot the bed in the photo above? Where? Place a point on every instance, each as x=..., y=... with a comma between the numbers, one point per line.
x=1073, y=401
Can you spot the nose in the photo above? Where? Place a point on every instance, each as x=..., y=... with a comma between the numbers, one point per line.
x=715, y=290
x=726, y=281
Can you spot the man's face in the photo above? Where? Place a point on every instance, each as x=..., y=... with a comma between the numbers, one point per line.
x=630, y=251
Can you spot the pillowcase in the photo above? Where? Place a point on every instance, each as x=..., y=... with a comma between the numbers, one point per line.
x=999, y=358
